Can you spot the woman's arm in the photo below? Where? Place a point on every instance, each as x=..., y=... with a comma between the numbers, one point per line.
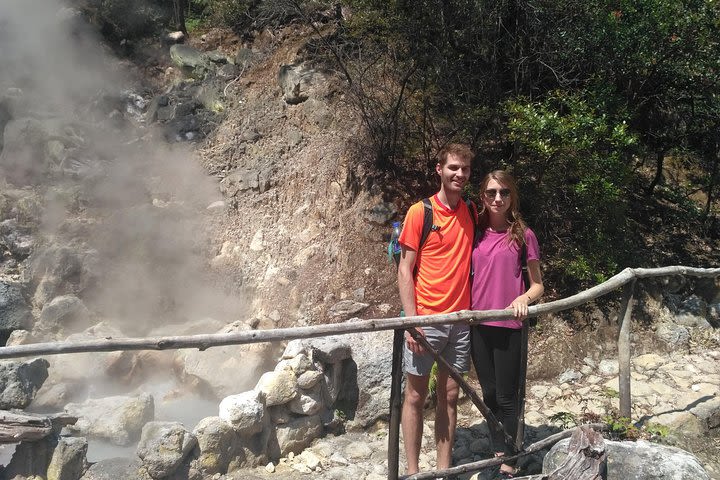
x=536, y=290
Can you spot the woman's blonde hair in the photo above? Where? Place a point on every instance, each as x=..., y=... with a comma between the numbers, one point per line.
x=516, y=224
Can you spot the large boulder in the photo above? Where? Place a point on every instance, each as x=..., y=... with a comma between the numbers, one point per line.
x=14, y=311
x=638, y=460
x=64, y=314
x=224, y=371
x=365, y=393
x=244, y=412
x=218, y=446
x=298, y=434
x=117, y=419
x=190, y=60
x=58, y=270
x=19, y=382
x=164, y=446
x=69, y=460
x=116, y=468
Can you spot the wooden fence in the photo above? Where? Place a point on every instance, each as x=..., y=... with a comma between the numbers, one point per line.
x=625, y=279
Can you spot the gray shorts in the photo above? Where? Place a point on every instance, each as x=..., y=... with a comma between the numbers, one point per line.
x=452, y=343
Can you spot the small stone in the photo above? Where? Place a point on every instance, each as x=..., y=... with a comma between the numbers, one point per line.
x=270, y=467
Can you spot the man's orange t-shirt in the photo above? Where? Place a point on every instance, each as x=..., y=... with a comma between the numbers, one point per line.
x=442, y=283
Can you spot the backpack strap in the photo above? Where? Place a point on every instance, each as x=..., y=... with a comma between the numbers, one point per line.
x=524, y=267
x=427, y=222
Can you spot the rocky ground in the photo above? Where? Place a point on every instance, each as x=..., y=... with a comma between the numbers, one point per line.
x=673, y=395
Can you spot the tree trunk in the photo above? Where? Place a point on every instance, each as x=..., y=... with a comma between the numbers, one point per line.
x=659, y=161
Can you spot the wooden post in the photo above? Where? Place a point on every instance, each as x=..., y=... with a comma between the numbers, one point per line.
x=625, y=318
x=522, y=379
x=395, y=405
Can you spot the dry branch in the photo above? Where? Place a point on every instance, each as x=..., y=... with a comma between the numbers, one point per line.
x=491, y=462
x=202, y=342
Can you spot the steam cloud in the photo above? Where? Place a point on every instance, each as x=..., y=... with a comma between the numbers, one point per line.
x=110, y=186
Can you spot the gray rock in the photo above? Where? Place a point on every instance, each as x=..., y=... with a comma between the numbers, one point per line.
x=365, y=392
x=14, y=311
x=218, y=445
x=345, y=308
x=114, y=469
x=309, y=379
x=298, y=434
x=19, y=382
x=69, y=460
x=117, y=419
x=244, y=57
x=58, y=270
x=569, y=376
x=66, y=313
x=293, y=80
x=646, y=461
x=609, y=367
x=193, y=62
x=244, y=412
x=224, y=371
x=240, y=181
x=329, y=350
x=674, y=336
x=163, y=446
x=382, y=213
x=307, y=403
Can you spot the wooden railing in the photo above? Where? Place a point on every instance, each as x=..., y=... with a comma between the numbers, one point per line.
x=625, y=279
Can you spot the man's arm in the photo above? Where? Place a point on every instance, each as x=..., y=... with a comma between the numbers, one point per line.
x=406, y=285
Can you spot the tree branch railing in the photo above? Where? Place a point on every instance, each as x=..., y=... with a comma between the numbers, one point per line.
x=627, y=279
x=205, y=341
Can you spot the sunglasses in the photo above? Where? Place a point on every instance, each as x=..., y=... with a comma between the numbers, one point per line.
x=491, y=193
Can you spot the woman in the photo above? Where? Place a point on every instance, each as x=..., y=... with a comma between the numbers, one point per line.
x=498, y=284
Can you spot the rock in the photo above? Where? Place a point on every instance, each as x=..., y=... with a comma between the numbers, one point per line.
x=66, y=314
x=365, y=392
x=674, y=336
x=174, y=37
x=218, y=445
x=329, y=350
x=345, y=308
x=163, y=446
x=381, y=213
x=14, y=311
x=69, y=460
x=59, y=270
x=96, y=366
x=278, y=387
x=114, y=469
x=193, y=62
x=117, y=419
x=646, y=461
x=226, y=370
x=298, y=434
x=569, y=376
x=294, y=81
x=308, y=403
x=19, y=382
x=244, y=412
x=608, y=367
x=309, y=379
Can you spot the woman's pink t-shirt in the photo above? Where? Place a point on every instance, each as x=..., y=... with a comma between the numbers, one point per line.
x=497, y=274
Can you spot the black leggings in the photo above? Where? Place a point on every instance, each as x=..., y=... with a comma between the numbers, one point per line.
x=496, y=356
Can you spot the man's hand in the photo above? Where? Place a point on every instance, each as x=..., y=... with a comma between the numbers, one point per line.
x=413, y=345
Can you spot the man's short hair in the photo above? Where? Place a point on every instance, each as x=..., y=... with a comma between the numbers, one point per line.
x=458, y=149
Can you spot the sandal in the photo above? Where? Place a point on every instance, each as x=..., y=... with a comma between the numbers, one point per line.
x=502, y=474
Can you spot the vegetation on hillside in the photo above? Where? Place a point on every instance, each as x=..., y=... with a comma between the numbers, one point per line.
x=589, y=103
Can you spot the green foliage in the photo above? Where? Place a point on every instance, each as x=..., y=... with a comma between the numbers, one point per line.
x=575, y=166
x=621, y=428
x=564, y=419
x=610, y=392
x=432, y=382
x=227, y=13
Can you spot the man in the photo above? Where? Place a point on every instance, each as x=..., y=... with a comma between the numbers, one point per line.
x=434, y=278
